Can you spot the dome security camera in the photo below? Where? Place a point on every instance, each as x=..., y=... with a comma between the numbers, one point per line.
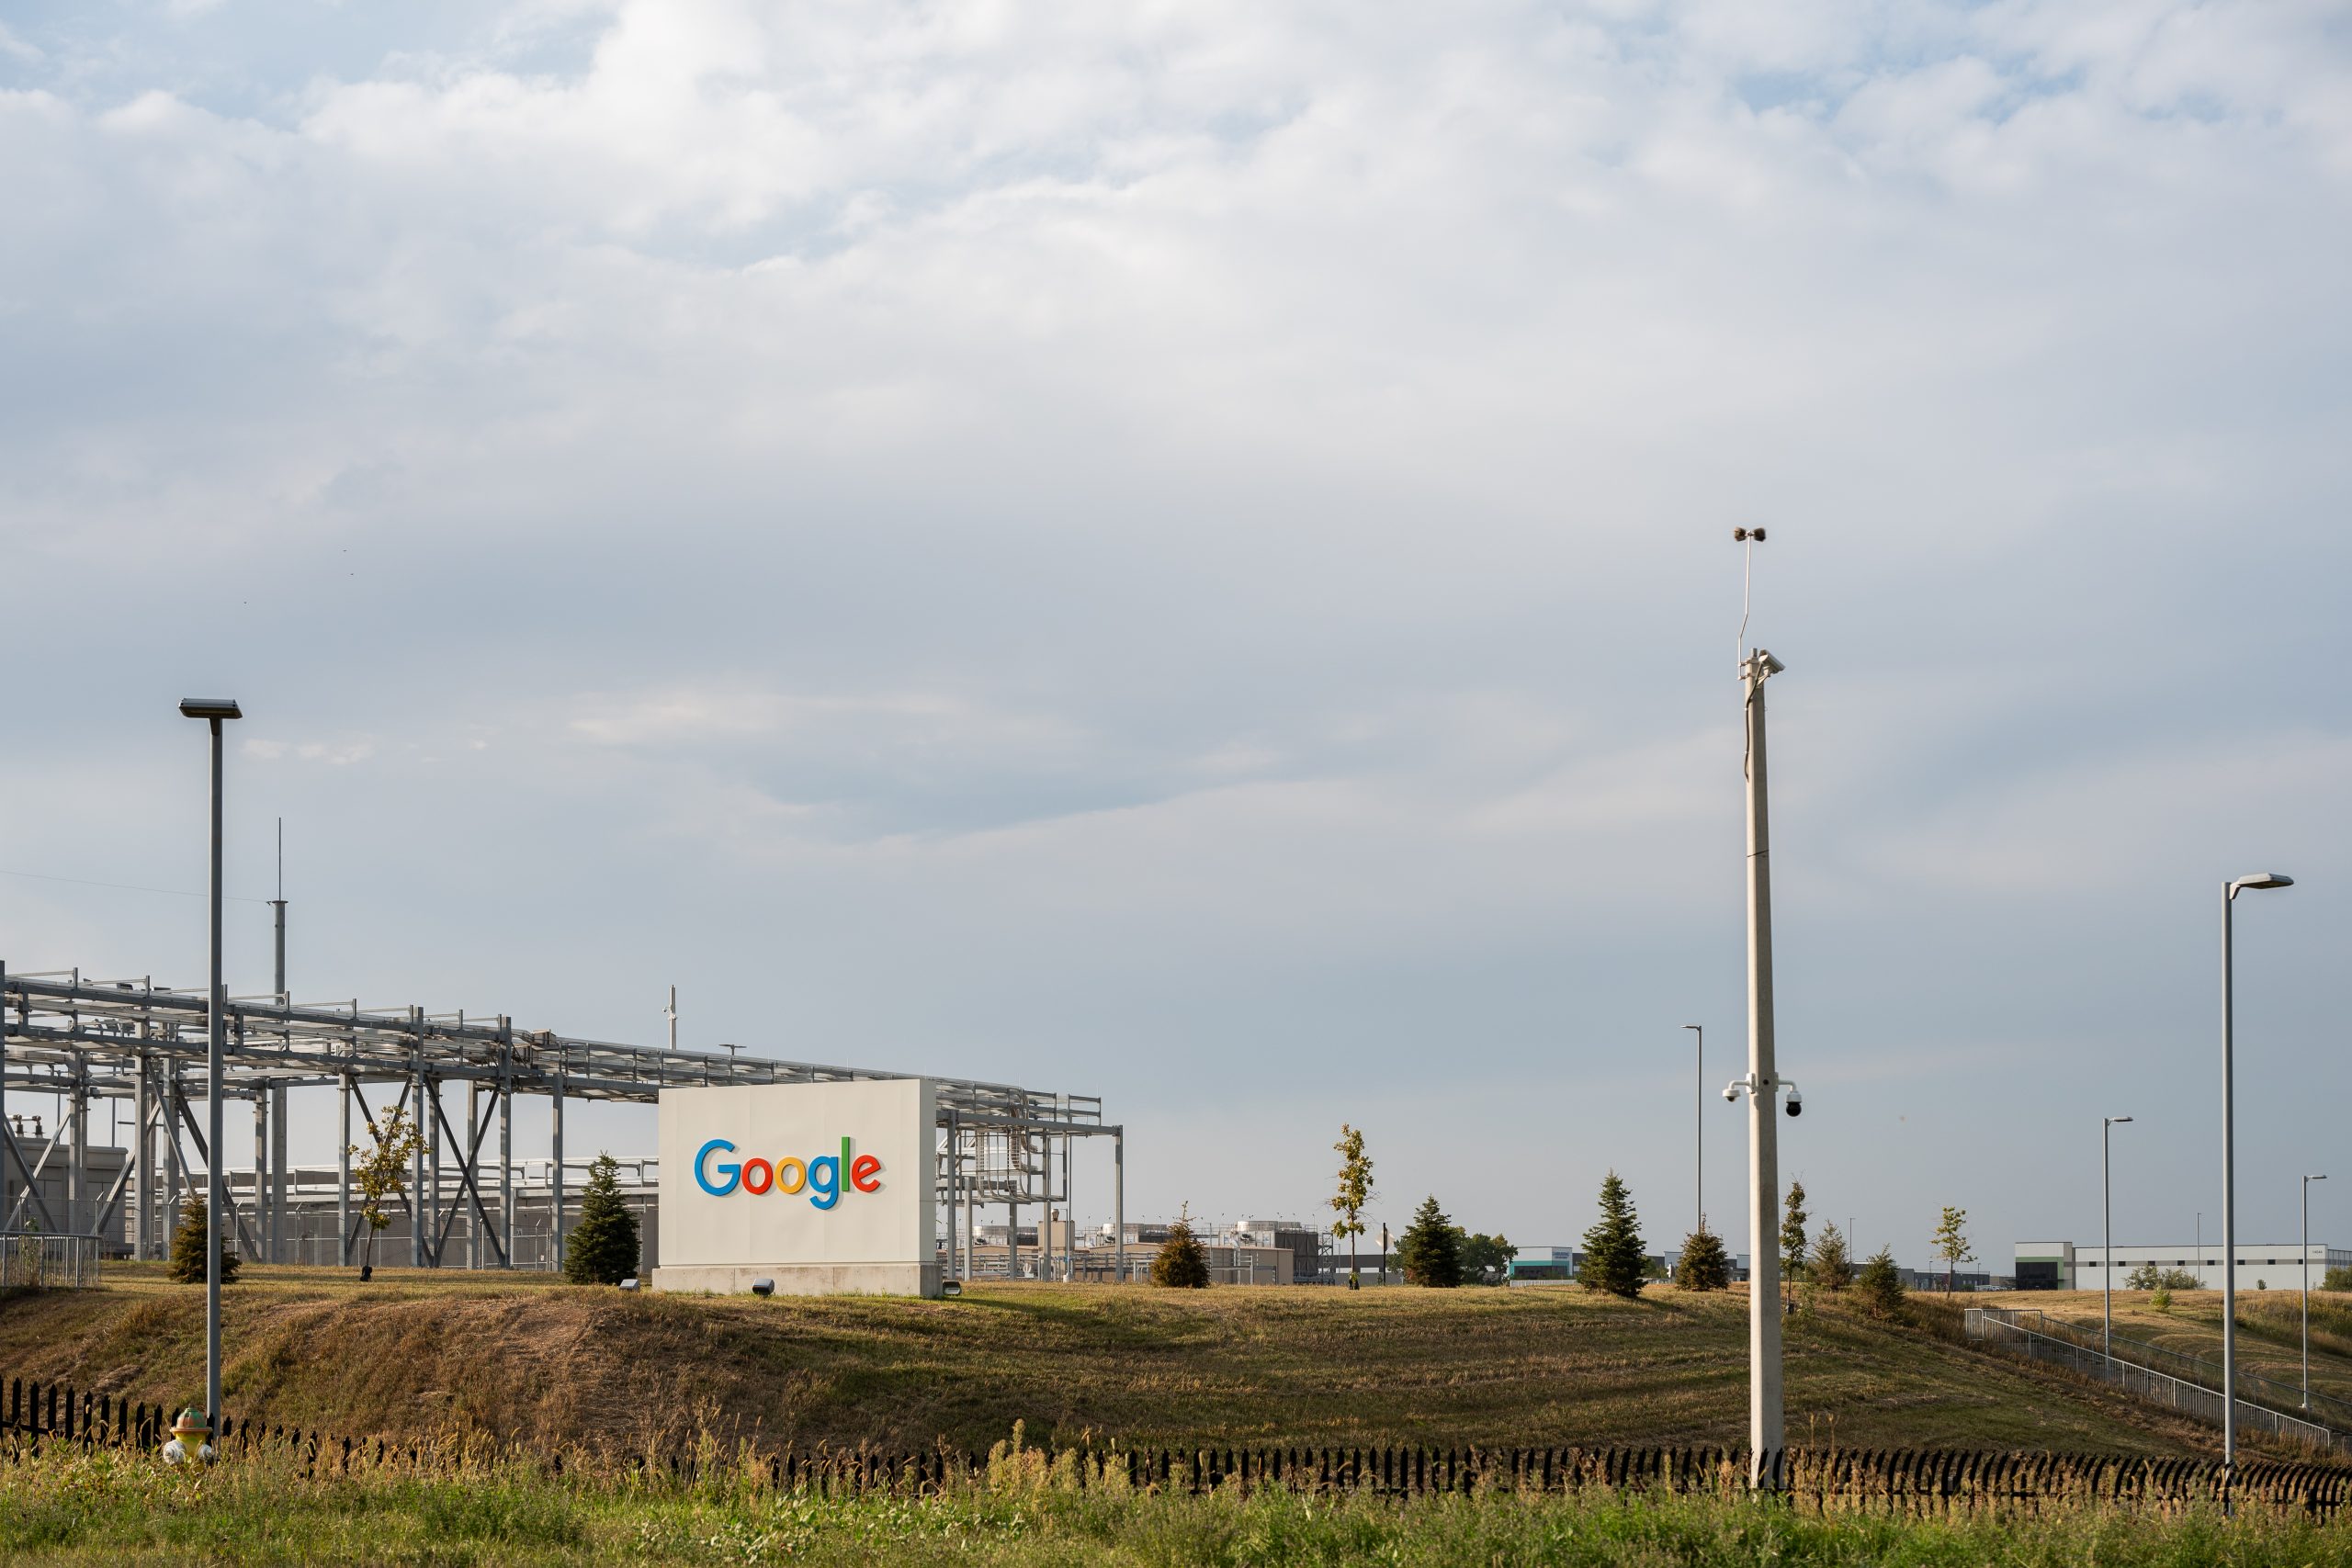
x=1796, y=1103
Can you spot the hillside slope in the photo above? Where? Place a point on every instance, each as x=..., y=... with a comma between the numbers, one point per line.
x=537, y=1361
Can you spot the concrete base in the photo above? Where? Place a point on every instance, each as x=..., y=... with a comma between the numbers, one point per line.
x=804, y=1279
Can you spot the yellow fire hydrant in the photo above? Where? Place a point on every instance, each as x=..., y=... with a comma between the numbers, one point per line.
x=188, y=1435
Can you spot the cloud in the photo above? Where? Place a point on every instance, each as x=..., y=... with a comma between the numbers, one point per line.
x=1064, y=542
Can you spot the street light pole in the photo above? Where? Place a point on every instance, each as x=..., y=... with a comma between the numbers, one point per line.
x=2106, y=1260
x=2230, y=892
x=1699, y=1138
x=213, y=710
x=2307, y=1288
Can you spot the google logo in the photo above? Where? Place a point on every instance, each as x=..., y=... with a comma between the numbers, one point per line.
x=819, y=1178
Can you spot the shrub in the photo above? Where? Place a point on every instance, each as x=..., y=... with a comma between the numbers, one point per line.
x=1704, y=1264
x=1430, y=1249
x=188, y=1241
x=603, y=1248
x=1614, y=1258
x=1179, y=1263
x=2148, y=1277
x=2336, y=1279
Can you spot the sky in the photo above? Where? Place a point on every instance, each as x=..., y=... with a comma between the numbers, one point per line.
x=1183, y=553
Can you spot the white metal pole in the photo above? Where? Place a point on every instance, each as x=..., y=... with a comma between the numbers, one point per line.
x=1699, y=1136
x=2229, y=1201
x=1765, y=1429
x=1119, y=1205
x=2106, y=1249
x=217, y=1181
x=2307, y=1288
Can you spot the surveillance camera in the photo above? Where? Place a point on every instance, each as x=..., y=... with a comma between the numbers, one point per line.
x=1796, y=1103
x=1772, y=665
x=1731, y=1092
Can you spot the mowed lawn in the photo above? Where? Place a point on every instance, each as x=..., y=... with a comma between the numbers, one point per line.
x=533, y=1360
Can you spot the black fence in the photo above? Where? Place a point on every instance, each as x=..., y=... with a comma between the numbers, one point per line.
x=1923, y=1481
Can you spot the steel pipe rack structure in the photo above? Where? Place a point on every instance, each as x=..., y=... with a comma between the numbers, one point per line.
x=84, y=1040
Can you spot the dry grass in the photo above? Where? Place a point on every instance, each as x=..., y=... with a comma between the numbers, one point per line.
x=539, y=1362
x=2269, y=1325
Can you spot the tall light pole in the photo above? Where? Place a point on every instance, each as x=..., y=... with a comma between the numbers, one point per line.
x=1765, y=1432
x=2229, y=891
x=1699, y=1138
x=2307, y=1288
x=2107, y=1259
x=213, y=710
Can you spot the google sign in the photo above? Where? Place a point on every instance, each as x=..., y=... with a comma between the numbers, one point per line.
x=819, y=1178
x=806, y=1189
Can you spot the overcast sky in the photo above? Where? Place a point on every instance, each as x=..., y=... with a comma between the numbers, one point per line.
x=1183, y=552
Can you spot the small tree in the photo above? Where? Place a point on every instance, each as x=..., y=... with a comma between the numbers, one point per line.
x=1831, y=1266
x=602, y=1249
x=1880, y=1285
x=1482, y=1255
x=190, y=1239
x=381, y=1173
x=1429, y=1249
x=1615, y=1259
x=2149, y=1277
x=1704, y=1264
x=1793, y=1236
x=1179, y=1263
x=2339, y=1278
x=1354, y=1193
x=1951, y=1244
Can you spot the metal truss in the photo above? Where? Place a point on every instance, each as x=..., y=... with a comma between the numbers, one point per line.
x=67, y=1034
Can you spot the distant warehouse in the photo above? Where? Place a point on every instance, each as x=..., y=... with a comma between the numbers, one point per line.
x=2062, y=1265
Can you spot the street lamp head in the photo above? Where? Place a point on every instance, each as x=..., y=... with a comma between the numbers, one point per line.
x=2116, y=1119
x=210, y=707
x=2260, y=879
x=2315, y=1179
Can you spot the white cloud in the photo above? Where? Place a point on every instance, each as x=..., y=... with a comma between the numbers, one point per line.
x=1198, y=526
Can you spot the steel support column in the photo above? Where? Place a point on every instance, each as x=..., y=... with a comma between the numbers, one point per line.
x=555, y=1103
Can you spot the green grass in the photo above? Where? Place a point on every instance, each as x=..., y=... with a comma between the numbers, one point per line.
x=546, y=1365
x=70, y=1506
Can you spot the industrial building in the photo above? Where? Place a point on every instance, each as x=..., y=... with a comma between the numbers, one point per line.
x=460, y=1076
x=2277, y=1266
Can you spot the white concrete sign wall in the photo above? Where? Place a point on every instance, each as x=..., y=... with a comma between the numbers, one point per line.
x=822, y=1188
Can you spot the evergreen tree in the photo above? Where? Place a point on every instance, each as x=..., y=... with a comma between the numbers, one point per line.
x=188, y=1241
x=1880, y=1285
x=1793, y=1236
x=1180, y=1262
x=1704, y=1264
x=1615, y=1258
x=1831, y=1266
x=1430, y=1250
x=602, y=1249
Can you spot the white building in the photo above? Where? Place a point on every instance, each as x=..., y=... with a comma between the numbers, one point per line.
x=2063, y=1265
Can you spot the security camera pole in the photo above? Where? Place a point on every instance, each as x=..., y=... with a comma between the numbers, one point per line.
x=213, y=710
x=1765, y=1433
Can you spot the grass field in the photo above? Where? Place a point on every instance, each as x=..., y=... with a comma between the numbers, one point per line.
x=533, y=1362
x=71, y=1506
